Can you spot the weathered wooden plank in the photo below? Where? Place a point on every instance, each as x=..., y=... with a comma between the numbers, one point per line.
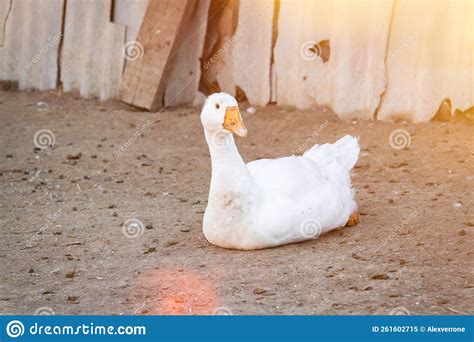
x=31, y=59
x=144, y=80
x=12, y=45
x=430, y=58
x=185, y=76
x=348, y=81
x=112, y=68
x=252, y=50
x=5, y=7
x=361, y=30
x=222, y=23
x=92, y=53
x=130, y=13
x=302, y=78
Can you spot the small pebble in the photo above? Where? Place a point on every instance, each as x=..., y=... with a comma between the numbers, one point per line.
x=259, y=290
x=150, y=250
x=73, y=298
x=380, y=276
x=76, y=156
x=171, y=243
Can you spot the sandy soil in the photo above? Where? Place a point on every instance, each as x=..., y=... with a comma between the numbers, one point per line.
x=64, y=249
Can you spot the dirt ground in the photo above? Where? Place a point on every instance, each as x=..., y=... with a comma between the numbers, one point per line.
x=64, y=248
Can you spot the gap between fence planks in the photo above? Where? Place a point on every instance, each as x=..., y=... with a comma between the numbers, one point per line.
x=144, y=79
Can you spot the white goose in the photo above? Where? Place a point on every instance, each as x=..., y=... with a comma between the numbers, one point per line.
x=272, y=202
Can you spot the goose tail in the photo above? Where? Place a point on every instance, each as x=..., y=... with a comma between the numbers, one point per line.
x=344, y=152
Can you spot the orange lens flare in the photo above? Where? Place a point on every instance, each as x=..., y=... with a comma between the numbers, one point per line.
x=175, y=291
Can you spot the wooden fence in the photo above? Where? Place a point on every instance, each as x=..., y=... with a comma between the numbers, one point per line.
x=374, y=59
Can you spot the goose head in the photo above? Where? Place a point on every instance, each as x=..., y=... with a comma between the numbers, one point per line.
x=221, y=114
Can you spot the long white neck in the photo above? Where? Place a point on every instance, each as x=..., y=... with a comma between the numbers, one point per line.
x=229, y=172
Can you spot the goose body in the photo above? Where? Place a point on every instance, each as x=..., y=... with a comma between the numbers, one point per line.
x=272, y=202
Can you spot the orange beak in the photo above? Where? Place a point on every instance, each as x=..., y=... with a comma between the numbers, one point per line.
x=233, y=122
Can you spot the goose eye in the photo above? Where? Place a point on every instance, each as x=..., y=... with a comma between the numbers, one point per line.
x=218, y=106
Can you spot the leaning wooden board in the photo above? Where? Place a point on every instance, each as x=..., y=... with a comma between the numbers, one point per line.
x=144, y=80
x=183, y=82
